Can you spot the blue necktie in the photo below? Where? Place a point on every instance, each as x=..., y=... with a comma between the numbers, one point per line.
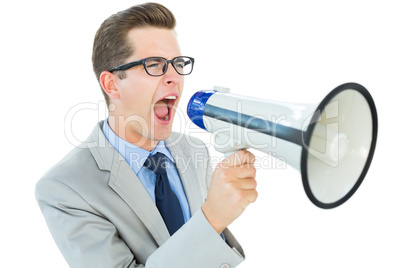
x=165, y=199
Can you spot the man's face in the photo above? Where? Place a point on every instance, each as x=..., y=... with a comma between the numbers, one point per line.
x=147, y=104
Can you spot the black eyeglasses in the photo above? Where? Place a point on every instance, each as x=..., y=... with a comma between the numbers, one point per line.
x=157, y=66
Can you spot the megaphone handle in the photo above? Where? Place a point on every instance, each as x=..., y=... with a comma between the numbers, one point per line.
x=227, y=154
x=228, y=148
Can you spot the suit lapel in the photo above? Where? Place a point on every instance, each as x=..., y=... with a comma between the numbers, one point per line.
x=126, y=184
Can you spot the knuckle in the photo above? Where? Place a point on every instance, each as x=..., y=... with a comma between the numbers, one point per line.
x=239, y=196
x=253, y=171
x=254, y=183
x=226, y=173
x=255, y=196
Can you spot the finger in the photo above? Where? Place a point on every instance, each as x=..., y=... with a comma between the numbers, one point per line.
x=250, y=196
x=248, y=183
x=239, y=172
x=245, y=171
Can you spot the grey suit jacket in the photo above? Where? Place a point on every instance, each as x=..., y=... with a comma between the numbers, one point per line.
x=100, y=215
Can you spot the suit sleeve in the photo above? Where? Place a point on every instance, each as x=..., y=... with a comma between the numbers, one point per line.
x=87, y=239
x=196, y=243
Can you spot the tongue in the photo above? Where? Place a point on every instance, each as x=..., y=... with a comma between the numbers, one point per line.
x=161, y=110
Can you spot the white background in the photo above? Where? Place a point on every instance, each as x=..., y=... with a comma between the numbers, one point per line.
x=294, y=51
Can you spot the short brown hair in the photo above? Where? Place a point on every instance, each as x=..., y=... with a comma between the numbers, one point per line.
x=111, y=47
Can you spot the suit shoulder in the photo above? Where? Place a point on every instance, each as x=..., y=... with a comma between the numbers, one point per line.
x=70, y=168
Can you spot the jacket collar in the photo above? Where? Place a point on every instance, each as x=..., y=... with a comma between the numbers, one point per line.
x=126, y=184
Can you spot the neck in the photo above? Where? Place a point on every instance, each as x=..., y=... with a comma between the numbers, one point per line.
x=125, y=132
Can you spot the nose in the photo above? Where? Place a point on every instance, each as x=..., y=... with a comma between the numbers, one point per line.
x=171, y=76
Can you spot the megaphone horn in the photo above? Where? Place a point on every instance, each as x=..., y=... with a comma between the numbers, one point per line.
x=331, y=144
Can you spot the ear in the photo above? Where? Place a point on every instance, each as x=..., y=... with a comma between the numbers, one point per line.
x=108, y=82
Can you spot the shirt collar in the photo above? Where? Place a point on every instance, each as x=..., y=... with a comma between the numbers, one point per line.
x=134, y=155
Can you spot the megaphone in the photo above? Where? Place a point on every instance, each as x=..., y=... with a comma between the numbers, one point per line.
x=331, y=143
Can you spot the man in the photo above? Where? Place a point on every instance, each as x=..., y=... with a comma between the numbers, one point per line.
x=101, y=201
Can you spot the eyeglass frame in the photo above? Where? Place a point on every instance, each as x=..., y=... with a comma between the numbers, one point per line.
x=132, y=64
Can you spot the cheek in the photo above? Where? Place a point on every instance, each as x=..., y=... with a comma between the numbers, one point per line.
x=135, y=95
x=181, y=86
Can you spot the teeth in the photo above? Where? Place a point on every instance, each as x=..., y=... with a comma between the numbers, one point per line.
x=171, y=98
x=166, y=117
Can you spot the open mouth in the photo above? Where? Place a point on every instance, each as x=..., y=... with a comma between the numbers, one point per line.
x=163, y=108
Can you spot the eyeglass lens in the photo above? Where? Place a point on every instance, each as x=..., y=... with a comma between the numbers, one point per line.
x=158, y=66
